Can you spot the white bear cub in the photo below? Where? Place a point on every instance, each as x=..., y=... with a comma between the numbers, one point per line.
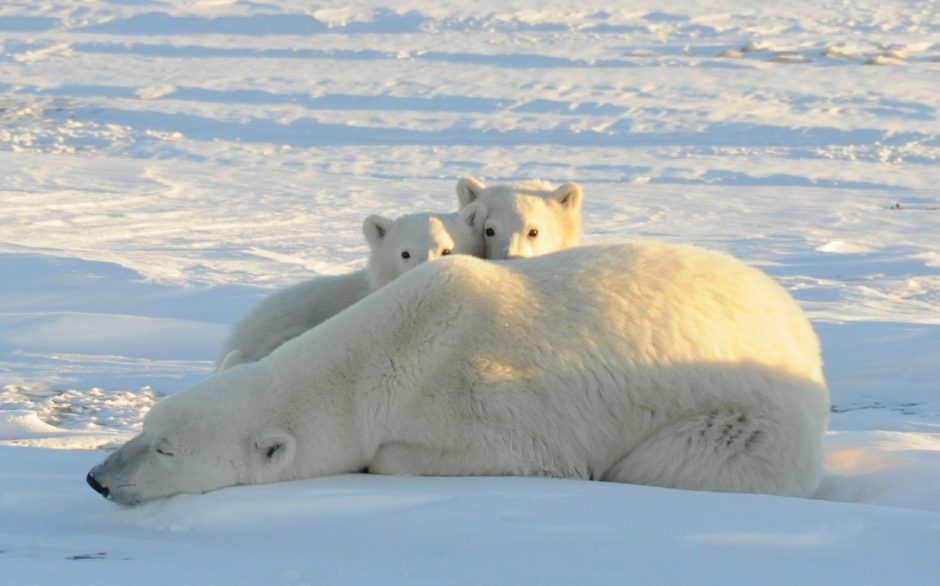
x=529, y=218
x=395, y=247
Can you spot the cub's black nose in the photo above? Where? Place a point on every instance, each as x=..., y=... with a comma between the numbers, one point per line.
x=102, y=490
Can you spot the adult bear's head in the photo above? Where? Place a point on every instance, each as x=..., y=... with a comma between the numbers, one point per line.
x=221, y=432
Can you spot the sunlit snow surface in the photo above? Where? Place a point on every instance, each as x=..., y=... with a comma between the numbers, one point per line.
x=166, y=164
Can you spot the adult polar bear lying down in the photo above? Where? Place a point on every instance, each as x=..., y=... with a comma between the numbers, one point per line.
x=643, y=363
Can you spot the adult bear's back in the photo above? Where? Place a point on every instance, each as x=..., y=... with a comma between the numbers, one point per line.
x=676, y=304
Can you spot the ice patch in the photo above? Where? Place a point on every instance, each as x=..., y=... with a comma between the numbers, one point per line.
x=843, y=247
x=833, y=52
x=58, y=49
x=37, y=416
x=154, y=92
x=884, y=59
x=21, y=424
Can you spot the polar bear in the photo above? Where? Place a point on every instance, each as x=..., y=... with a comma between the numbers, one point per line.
x=528, y=218
x=395, y=246
x=643, y=363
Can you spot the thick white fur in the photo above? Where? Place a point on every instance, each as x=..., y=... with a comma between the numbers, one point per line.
x=642, y=363
x=529, y=218
x=294, y=310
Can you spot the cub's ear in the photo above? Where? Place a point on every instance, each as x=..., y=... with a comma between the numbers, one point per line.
x=474, y=215
x=275, y=447
x=468, y=190
x=375, y=228
x=233, y=358
x=568, y=195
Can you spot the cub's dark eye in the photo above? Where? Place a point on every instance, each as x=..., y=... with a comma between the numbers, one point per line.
x=533, y=232
x=445, y=252
x=406, y=255
x=490, y=232
x=164, y=452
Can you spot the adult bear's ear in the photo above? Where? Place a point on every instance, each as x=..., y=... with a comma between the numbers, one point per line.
x=468, y=190
x=474, y=215
x=568, y=195
x=275, y=448
x=375, y=228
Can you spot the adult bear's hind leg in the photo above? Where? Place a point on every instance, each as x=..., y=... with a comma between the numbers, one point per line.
x=730, y=450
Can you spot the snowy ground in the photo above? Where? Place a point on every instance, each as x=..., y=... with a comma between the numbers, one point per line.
x=166, y=164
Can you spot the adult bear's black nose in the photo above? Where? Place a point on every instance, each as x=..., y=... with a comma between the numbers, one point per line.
x=92, y=482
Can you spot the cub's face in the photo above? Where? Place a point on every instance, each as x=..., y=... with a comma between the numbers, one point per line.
x=521, y=227
x=191, y=445
x=413, y=241
x=400, y=245
x=525, y=219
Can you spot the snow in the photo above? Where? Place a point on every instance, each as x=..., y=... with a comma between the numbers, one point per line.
x=370, y=529
x=166, y=164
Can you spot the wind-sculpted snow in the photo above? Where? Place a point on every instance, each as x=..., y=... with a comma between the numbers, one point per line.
x=166, y=165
